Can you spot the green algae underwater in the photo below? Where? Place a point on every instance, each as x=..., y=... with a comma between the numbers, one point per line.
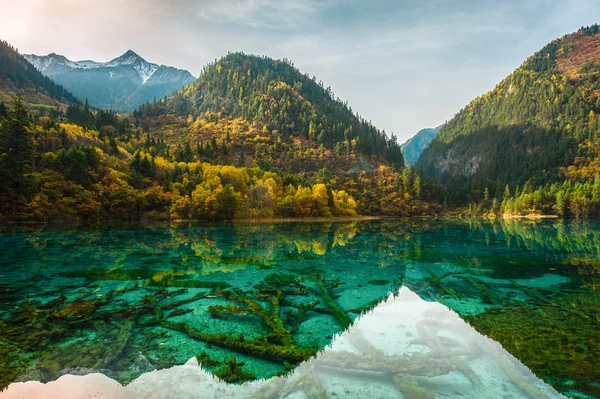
x=256, y=302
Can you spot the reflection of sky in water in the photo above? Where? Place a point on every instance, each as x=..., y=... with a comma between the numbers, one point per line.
x=405, y=346
x=519, y=283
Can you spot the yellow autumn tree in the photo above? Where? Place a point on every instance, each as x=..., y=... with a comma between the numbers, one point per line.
x=343, y=203
x=320, y=200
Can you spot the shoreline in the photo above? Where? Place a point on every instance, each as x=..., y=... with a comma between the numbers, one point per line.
x=149, y=223
x=531, y=216
x=332, y=219
x=65, y=224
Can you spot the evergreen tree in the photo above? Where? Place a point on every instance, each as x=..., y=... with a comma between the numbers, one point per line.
x=17, y=146
x=506, y=195
x=226, y=203
x=417, y=186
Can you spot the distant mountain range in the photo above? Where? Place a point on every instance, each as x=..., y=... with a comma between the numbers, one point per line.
x=121, y=84
x=414, y=146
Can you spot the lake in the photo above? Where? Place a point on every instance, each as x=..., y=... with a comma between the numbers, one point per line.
x=383, y=309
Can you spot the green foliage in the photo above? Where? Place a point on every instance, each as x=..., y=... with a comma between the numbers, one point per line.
x=533, y=123
x=275, y=94
x=104, y=121
x=226, y=203
x=232, y=372
x=79, y=164
x=16, y=69
x=17, y=148
x=591, y=30
x=298, y=151
x=580, y=200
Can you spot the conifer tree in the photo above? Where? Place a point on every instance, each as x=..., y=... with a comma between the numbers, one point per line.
x=17, y=145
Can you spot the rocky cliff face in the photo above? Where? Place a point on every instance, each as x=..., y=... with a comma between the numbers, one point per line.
x=537, y=123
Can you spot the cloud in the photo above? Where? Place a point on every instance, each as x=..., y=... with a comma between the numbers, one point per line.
x=405, y=64
x=269, y=14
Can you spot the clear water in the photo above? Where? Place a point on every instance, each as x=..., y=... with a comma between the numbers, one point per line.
x=386, y=309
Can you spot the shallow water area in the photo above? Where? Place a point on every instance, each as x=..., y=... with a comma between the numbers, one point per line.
x=416, y=308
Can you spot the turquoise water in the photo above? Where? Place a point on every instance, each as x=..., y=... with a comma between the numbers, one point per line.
x=394, y=309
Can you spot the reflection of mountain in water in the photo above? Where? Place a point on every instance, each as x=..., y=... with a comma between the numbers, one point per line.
x=405, y=347
x=126, y=302
x=269, y=295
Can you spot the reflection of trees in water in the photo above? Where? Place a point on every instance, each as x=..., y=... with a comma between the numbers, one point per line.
x=169, y=273
x=560, y=235
x=83, y=330
x=550, y=326
x=209, y=245
x=578, y=243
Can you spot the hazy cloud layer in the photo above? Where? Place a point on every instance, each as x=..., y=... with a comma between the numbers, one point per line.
x=403, y=64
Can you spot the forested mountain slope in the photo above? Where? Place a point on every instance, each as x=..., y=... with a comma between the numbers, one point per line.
x=18, y=76
x=286, y=149
x=282, y=103
x=531, y=127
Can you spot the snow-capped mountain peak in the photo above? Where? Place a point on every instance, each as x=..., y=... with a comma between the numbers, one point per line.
x=146, y=71
x=144, y=68
x=121, y=83
x=129, y=58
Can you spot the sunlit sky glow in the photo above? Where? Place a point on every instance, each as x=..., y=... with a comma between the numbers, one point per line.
x=405, y=65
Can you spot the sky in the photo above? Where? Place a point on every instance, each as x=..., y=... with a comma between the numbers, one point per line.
x=404, y=65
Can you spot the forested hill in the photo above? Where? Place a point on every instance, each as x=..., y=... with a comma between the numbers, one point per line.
x=277, y=96
x=531, y=127
x=268, y=142
x=18, y=76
